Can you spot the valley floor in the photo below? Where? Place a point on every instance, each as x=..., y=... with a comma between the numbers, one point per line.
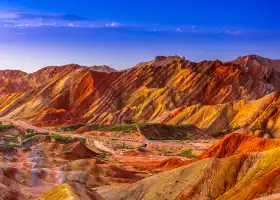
x=35, y=159
x=118, y=162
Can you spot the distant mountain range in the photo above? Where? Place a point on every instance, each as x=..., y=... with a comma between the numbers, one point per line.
x=213, y=95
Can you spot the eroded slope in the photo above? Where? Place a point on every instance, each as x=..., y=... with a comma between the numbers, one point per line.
x=211, y=95
x=241, y=176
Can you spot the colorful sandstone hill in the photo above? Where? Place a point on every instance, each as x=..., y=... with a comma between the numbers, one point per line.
x=212, y=95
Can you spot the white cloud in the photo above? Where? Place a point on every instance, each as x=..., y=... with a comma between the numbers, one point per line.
x=37, y=20
x=9, y=16
x=42, y=16
x=232, y=32
x=179, y=30
x=113, y=24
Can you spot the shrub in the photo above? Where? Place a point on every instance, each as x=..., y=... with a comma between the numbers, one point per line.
x=3, y=146
x=186, y=125
x=30, y=135
x=57, y=137
x=30, y=131
x=83, y=140
x=188, y=153
x=120, y=127
x=27, y=136
x=69, y=148
x=11, y=139
x=111, y=128
x=63, y=139
x=72, y=127
x=6, y=126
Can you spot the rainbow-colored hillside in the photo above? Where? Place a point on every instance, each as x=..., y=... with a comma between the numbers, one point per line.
x=212, y=95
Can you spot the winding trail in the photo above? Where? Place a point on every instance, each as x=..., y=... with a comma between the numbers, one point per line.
x=25, y=125
x=144, y=141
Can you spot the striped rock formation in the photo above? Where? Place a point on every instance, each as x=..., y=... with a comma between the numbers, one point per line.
x=238, y=167
x=70, y=192
x=211, y=95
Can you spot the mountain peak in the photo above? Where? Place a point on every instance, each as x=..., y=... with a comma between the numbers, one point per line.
x=12, y=74
x=165, y=60
x=102, y=68
x=256, y=60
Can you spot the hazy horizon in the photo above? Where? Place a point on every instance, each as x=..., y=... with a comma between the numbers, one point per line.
x=90, y=65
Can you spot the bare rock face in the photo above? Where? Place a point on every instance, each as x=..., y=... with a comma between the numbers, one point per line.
x=102, y=68
x=163, y=60
x=267, y=68
x=10, y=80
x=255, y=60
x=12, y=74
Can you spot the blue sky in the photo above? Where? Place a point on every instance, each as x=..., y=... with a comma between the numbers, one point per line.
x=34, y=34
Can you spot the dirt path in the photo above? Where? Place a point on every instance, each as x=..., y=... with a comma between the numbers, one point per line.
x=25, y=125
x=145, y=141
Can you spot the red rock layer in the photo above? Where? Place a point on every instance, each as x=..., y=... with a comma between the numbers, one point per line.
x=236, y=143
x=165, y=90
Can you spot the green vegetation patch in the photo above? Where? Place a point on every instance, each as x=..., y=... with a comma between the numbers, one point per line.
x=99, y=127
x=68, y=128
x=6, y=126
x=83, y=140
x=67, y=149
x=3, y=146
x=63, y=139
x=11, y=139
x=30, y=135
x=30, y=131
x=188, y=153
x=112, y=128
x=119, y=127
